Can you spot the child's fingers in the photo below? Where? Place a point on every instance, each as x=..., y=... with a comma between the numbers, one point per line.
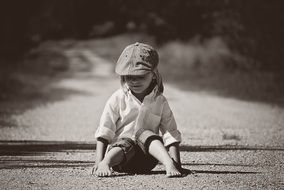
x=103, y=174
x=177, y=165
x=94, y=169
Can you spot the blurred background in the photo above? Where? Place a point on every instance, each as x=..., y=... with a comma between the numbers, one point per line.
x=227, y=47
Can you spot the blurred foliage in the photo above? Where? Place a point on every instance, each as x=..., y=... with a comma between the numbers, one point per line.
x=252, y=28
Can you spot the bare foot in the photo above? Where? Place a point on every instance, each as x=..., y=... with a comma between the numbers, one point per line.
x=172, y=171
x=103, y=170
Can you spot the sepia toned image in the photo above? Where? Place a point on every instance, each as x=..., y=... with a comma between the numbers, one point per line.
x=128, y=94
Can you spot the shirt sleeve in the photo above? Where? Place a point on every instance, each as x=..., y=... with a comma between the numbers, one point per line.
x=168, y=126
x=110, y=115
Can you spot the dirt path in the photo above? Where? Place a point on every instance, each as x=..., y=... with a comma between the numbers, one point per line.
x=227, y=143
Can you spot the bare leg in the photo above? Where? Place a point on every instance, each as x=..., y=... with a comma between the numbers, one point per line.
x=114, y=157
x=157, y=149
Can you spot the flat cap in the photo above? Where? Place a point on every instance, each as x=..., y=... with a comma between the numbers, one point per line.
x=137, y=59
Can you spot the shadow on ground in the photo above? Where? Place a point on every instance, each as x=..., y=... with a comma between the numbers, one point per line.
x=213, y=148
x=42, y=154
x=18, y=148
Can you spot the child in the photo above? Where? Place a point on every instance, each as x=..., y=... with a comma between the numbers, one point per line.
x=133, y=117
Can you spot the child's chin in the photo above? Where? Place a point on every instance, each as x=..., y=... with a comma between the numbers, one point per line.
x=137, y=91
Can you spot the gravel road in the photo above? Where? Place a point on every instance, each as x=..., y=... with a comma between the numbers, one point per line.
x=49, y=143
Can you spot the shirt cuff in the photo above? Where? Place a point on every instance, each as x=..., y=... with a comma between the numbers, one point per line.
x=171, y=137
x=105, y=133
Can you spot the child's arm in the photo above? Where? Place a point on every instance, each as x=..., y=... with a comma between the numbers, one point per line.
x=174, y=153
x=171, y=134
x=100, y=151
x=107, y=127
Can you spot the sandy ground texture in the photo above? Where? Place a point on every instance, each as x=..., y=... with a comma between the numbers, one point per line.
x=49, y=143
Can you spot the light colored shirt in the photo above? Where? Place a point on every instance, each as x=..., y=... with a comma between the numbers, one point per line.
x=124, y=115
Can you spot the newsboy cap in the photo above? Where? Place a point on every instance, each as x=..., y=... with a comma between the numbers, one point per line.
x=137, y=59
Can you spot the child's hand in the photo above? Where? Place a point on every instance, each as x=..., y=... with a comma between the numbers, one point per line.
x=94, y=169
x=177, y=165
x=102, y=169
x=183, y=171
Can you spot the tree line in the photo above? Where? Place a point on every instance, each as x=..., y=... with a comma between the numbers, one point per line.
x=250, y=27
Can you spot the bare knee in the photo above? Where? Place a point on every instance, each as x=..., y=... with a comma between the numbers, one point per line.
x=145, y=137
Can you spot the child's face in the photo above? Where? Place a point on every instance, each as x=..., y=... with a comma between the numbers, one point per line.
x=139, y=84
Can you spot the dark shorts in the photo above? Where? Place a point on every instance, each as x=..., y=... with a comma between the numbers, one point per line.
x=136, y=156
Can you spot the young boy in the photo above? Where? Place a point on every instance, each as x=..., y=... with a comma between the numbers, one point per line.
x=134, y=116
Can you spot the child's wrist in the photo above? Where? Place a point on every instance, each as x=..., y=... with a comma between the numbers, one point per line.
x=177, y=164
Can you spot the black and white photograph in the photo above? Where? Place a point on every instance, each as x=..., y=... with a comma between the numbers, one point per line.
x=140, y=94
